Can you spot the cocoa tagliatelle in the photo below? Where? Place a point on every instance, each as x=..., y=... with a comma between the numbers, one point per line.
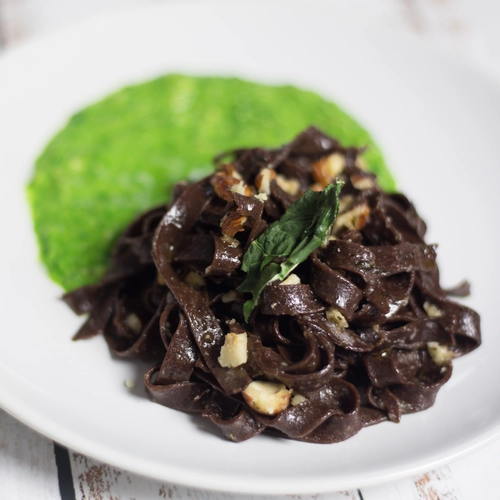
x=359, y=332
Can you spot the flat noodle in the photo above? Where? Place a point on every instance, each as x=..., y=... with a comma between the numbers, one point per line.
x=363, y=334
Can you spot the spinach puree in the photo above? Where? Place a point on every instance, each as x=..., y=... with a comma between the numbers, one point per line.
x=122, y=155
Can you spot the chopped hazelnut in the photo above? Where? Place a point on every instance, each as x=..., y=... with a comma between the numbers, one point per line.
x=362, y=182
x=440, y=354
x=297, y=399
x=361, y=163
x=317, y=187
x=231, y=242
x=269, y=398
x=432, y=310
x=133, y=322
x=234, y=351
x=194, y=280
x=129, y=383
x=333, y=315
x=290, y=186
x=293, y=279
x=241, y=188
x=326, y=169
x=344, y=202
x=222, y=182
x=229, y=297
x=230, y=170
x=262, y=197
x=232, y=223
x=263, y=180
x=353, y=219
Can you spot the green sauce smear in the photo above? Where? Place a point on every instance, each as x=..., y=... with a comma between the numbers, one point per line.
x=123, y=154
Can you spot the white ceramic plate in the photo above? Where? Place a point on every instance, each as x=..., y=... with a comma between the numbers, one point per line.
x=438, y=124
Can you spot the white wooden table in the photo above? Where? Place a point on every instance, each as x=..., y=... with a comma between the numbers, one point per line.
x=33, y=467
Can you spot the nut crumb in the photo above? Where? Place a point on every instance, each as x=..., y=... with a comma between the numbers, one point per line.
x=293, y=279
x=327, y=169
x=229, y=297
x=440, y=354
x=362, y=182
x=297, y=399
x=269, y=398
x=263, y=180
x=194, y=280
x=133, y=322
x=129, y=383
x=432, y=310
x=234, y=351
x=290, y=186
x=333, y=315
x=241, y=188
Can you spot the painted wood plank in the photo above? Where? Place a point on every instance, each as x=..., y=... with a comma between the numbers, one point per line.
x=477, y=475
x=437, y=484
x=404, y=489
x=472, y=477
x=94, y=480
x=27, y=463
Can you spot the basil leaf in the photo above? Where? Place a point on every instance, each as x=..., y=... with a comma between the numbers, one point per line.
x=289, y=241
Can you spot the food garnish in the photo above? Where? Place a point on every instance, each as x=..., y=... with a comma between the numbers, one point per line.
x=289, y=241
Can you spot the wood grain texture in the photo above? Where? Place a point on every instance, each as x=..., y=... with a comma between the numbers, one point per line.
x=437, y=485
x=404, y=489
x=27, y=463
x=477, y=475
x=97, y=481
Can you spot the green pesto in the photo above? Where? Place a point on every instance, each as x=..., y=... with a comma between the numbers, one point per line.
x=123, y=154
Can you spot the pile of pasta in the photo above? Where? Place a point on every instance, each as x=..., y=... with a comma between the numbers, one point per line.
x=359, y=332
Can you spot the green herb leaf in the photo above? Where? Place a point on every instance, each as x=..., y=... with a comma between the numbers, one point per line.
x=289, y=241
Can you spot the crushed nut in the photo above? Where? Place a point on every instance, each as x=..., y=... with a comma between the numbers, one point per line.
x=293, y=279
x=230, y=242
x=263, y=180
x=269, y=398
x=326, y=169
x=440, y=354
x=133, y=322
x=194, y=280
x=222, y=182
x=317, y=187
x=432, y=310
x=344, y=202
x=290, y=186
x=361, y=163
x=333, y=315
x=229, y=297
x=241, y=188
x=129, y=383
x=362, y=182
x=353, y=219
x=262, y=197
x=229, y=169
x=234, y=351
x=297, y=399
x=232, y=223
